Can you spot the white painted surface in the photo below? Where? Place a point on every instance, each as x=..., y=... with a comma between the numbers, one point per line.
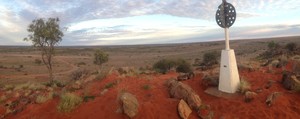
x=227, y=39
x=229, y=75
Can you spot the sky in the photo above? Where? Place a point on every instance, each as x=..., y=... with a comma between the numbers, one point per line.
x=130, y=22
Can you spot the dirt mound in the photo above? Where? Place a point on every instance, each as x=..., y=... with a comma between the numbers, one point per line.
x=155, y=102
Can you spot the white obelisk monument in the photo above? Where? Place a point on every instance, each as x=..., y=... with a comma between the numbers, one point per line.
x=229, y=76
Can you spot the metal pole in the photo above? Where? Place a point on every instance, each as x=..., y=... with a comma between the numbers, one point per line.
x=226, y=39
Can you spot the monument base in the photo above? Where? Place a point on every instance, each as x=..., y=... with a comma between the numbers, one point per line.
x=229, y=76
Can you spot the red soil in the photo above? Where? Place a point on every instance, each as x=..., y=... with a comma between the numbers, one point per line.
x=155, y=103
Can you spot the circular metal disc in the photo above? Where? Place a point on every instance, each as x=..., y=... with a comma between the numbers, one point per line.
x=225, y=16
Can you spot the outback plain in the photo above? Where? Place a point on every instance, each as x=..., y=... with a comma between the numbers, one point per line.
x=97, y=91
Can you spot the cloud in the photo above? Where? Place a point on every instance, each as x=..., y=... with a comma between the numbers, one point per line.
x=109, y=20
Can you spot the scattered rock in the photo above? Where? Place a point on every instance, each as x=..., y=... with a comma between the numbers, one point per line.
x=212, y=80
x=76, y=86
x=183, y=109
x=194, y=100
x=180, y=90
x=296, y=68
x=182, y=77
x=290, y=81
x=129, y=104
x=249, y=96
x=103, y=91
x=271, y=98
x=259, y=90
x=185, y=76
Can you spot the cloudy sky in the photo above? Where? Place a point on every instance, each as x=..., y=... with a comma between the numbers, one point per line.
x=122, y=22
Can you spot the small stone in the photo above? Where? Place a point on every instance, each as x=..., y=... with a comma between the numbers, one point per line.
x=249, y=96
x=103, y=92
x=183, y=109
x=130, y=104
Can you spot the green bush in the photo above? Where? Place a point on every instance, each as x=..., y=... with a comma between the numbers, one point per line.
x=291, y=46
x=164, y=65
x=79, y=74
x=272, y=45
x=100, y=57
x=69, y=102
x=210, y=58
x=184, y=67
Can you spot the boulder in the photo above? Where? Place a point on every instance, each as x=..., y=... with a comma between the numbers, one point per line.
x=290, y=81
x=296, y=67
x=183, y=109
x=194, y=100
x=129, y=104
x=212, y=80
x=182, y=77
x=180, y=90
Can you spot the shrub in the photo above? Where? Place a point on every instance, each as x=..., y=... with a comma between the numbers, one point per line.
x=100, y=57
x=164, y=65
x=81, y=63
x=210, y=58
x=55, y=83
x=68, y=102
x=43, y=98
x=291, y=46
x=86, y=98
x=272, y=45
x=78, y=74
x=102, y=74
x=184, y=67
x=244, y=86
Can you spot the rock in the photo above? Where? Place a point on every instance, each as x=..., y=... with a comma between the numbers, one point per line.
x=103, y=91
x=249, y=96
x=296, y=68
x=183, y=109
x=180, y=90
x=129, y=104
x=290, y=81
x=194, y=100
x=212, y=80
x=271, y=98
x=182, y=77
x=269, y=84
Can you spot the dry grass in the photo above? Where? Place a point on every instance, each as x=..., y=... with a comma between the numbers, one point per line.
x=68, y=102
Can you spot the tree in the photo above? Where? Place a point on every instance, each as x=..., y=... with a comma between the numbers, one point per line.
x=100, y=57
x=44, y=35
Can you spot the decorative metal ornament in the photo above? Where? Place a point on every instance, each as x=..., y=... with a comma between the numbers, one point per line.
x=225, y=15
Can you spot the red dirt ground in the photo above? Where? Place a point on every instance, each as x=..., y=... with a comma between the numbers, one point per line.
x=155, y=103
